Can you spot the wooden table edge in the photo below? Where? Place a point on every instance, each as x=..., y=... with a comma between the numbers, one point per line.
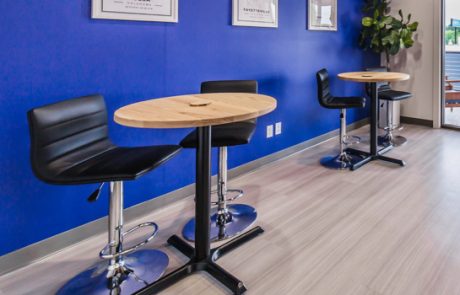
x=192, y=123
x=403, y=77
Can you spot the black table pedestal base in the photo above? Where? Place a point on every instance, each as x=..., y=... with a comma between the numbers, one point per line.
x=190, y=268
x=220, y=251
x=201, y=256
x=207, y=264
x=374, y=153
x=368, y=157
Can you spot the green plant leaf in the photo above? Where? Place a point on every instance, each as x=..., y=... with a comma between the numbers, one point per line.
x=396, y=24
x=394, y=49
x=413, y=26
x=367, y=21
x=388, y=40
x=387, y=20
x=404, y=33
x=375, y=42
x=382, y=32
x=408, y=42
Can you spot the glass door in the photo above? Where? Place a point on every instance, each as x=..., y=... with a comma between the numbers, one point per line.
x=451, y=64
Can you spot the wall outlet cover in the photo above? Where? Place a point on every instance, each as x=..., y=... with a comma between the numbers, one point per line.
x=278, y=128
x=269, y=131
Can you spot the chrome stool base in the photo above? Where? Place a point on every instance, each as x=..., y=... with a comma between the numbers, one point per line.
x=340, y=162
x=393, y=140
x=343, y=160
x=142, y=267
x=242, y=217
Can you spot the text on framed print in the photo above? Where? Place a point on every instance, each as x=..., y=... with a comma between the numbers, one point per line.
x=255, y=13
x=140, y=10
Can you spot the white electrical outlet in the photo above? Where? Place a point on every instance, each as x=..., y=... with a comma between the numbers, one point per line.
x=278, y=128
x=269, y=131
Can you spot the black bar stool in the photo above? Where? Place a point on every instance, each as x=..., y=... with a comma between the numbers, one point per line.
x=344, y=160
x=69, y=146
x=388, y=95
x=226, y=220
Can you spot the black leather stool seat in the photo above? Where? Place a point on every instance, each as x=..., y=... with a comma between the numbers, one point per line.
x=114, y=164
x=224, y=135
x=394, y=95
x=70, y=145
x=346, y=102
x=385, y=91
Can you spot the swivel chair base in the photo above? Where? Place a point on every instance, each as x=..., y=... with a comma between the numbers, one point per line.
x=142, y=267
x=394, y=140
x=241, y=217
x=340, y=162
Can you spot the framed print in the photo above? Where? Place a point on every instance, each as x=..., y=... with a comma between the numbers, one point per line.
x=322, y=15
x=139, y=10
x=255, y=13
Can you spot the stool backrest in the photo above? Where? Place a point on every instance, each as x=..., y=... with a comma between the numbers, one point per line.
x=324, y=92
x=67, y=133
x=240, y=86
x=382, y=85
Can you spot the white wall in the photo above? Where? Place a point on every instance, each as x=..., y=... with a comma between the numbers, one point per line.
x=452, y=10
x=421, y=61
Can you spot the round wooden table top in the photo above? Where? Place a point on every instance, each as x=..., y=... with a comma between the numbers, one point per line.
x=195, y=110
x=374, y=77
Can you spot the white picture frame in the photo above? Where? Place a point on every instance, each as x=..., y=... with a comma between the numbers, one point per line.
x=136, y=10
x=255, y=13
x=322, y=15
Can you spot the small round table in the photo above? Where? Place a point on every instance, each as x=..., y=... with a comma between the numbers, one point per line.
x=373, y=78
x=200, y=111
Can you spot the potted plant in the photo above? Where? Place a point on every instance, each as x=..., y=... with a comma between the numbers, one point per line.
x=384, y=33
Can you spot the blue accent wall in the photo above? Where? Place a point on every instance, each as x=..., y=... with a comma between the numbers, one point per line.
x=51, y=50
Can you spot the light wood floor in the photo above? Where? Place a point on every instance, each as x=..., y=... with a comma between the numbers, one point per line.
x=379, y=230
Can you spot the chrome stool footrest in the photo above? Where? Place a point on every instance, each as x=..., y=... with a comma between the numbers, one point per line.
x=121, y=271
x=226, y=220
x=343, y=160
x=351, y=139
x=239, y=194
x=104, y=254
